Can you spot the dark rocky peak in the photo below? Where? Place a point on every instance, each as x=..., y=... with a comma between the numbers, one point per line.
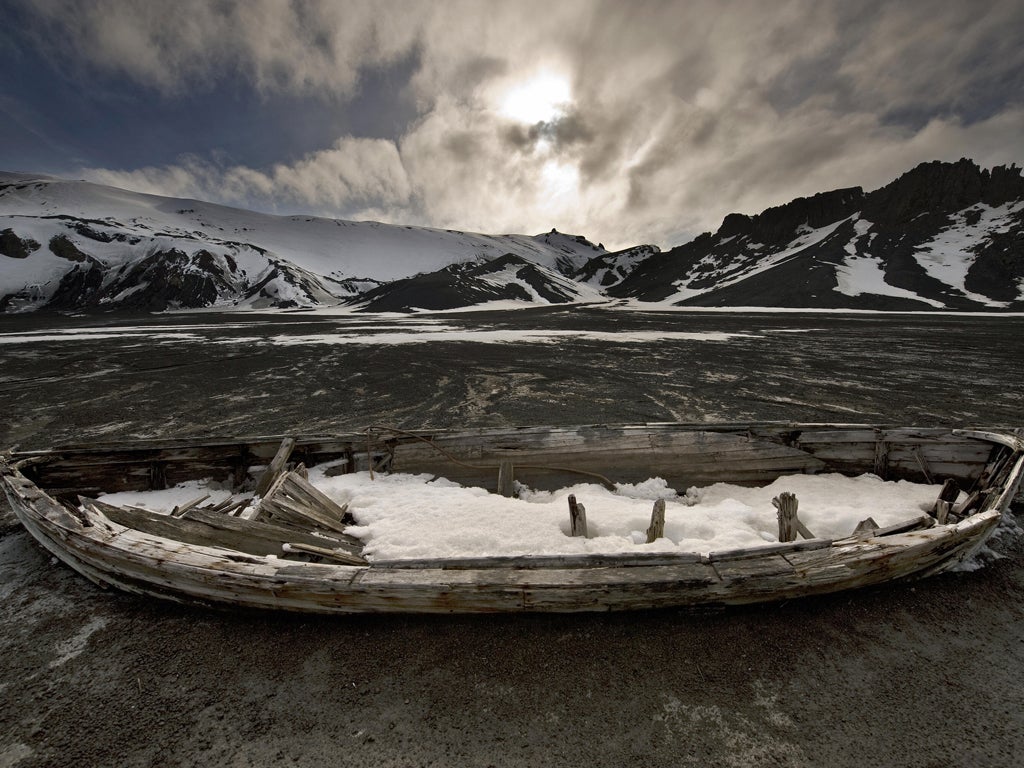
x=735, y=224
x=939, y=188
x=778, y=225
x=1004, y=184
x=561, y=239
x=498, y=264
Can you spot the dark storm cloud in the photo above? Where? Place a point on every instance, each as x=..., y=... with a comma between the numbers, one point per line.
x=678, y=112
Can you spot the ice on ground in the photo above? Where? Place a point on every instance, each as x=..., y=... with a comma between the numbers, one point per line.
x=521, y=336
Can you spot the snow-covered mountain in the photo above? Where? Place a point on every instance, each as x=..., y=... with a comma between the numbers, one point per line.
x=942, y=236
x=72, y=245
x=607, y=269
x=507, y=278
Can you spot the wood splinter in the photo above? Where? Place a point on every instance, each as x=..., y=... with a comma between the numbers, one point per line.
x=656, y=530
x=577, y=518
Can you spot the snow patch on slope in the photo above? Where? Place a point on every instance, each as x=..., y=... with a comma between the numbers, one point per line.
x=950, y=254
x=864, y=274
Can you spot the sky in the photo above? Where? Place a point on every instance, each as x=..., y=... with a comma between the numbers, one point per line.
x=627, y=122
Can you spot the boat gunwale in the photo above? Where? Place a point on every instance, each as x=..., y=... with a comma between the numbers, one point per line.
x=1002, y=435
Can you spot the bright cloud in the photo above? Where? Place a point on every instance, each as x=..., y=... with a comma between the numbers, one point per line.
x=540, y=99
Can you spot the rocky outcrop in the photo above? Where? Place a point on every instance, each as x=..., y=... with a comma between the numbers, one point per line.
x=779, y=224
x=608, y=269
x=941, y=236
x=507, y=277
x=938, y=189
x=15, y=247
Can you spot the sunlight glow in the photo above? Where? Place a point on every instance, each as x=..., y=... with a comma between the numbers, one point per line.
x=560, y=184
x=538, y=100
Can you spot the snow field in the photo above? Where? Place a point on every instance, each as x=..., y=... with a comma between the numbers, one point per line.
x=403, y=516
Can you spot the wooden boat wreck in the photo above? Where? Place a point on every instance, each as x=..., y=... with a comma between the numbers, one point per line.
x=292, y=552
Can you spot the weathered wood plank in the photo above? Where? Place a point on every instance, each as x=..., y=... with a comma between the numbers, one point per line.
x=293, y=513
x=947, y=496
x=1013, y=442
x=213, y=529
x=758, y=573
x=300, y=488
x=923, y=463
x=616, y=559
x=339, y=555
x=767, y=549
x=914, y=524
x=179, y=511
x=293, y=500
x=276, y=466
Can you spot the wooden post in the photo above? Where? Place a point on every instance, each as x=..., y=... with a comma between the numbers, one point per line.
x=881, y=456
x=656, y=530
x=505, y=479
x=276, y=466
x=577, y=518
x=787, y=505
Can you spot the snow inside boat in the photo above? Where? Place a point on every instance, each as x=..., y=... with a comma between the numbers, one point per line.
x=270, y=538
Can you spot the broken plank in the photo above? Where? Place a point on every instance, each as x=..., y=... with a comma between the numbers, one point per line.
x=179, y=511
x=276, y=466
x=332, y=554
x=300, y=488
x=212, y=529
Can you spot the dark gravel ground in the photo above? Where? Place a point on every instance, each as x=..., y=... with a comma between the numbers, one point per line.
x=923, y=674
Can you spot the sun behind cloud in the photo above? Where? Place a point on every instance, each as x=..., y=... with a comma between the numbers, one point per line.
x=540, y=99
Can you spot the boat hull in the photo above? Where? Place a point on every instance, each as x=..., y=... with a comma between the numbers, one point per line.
x=113, y=555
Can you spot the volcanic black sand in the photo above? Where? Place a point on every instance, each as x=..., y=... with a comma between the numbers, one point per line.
x=923, y=674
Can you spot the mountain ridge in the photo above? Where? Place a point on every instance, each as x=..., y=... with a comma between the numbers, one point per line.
x=940, y=236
